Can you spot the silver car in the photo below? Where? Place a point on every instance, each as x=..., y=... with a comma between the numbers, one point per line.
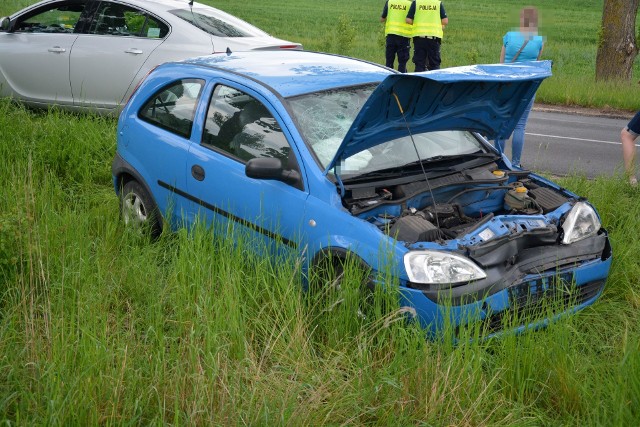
x=91, y=54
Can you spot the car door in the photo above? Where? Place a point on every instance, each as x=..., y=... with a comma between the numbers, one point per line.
x=239, y=126
x=105, y=61
x=157, y=146
x=34, y=54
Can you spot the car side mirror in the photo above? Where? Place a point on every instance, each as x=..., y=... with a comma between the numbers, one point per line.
x=271, y=168
x=5, y=23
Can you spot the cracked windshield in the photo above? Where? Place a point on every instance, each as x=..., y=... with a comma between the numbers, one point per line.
x=324, y=118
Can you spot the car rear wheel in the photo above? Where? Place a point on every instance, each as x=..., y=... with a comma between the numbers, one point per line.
x=138, y=209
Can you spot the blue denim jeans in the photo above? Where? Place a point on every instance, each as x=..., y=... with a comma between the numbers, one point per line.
x=517, y=141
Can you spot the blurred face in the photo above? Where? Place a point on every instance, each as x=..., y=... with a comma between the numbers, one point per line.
x=529, y=17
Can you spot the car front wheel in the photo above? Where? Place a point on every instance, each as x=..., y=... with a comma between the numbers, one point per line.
x=139, y=210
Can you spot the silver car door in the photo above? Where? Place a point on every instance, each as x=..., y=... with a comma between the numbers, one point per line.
x=105, y=61
x=34, y=55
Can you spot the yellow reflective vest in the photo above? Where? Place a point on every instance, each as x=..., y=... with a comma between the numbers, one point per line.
x=396, y=15
x=426, y=21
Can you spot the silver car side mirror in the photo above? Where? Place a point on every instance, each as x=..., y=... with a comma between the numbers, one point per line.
x=5, y=23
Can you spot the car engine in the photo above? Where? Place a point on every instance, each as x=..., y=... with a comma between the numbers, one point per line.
x=450, y=206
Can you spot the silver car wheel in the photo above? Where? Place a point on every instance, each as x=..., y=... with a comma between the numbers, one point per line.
x=133, y=210
x=138, y=209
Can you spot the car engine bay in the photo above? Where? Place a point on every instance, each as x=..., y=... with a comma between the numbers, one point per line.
x=463, y=201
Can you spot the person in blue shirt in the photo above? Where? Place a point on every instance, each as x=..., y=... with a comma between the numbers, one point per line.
x=521, y=45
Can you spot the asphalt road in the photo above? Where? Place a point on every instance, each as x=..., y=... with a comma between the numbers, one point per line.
x=562, y=144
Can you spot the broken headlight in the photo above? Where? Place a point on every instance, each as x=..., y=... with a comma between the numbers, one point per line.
x=436, y=267
x=581, y=222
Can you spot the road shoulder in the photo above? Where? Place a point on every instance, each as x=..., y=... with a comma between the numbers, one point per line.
x=583, y=111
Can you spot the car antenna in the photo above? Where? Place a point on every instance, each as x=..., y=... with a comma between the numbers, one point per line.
x=197, y=24
x=229, y=51
x=415, y=147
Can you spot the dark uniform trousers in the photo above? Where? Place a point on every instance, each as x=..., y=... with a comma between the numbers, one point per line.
x=426, y=53
x=401, y=46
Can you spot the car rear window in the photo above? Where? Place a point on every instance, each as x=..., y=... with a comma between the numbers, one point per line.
x=219, y=26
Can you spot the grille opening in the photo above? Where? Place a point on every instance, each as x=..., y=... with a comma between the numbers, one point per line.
x=536, y=300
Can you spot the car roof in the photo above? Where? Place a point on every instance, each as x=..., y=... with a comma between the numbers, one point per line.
x=292, y=73
x=148, y=4
x=168, y=4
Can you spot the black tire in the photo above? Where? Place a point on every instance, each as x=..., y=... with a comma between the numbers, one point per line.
x=138, y=209
x=328, y=273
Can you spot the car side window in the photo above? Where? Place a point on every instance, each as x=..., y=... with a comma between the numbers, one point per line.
x=173, y=107
x=62, y=18
x=115, y=19
x=240, y=125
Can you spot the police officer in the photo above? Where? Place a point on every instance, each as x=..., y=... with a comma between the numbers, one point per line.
x=397, y=32
x=428, y=18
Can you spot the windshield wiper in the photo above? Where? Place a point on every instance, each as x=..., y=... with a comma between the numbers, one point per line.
x=382, y=173
x=414, y=167
x=438, y=159
x=395, y=171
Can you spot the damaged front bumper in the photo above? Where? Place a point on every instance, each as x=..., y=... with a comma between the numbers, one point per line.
x=531, y=278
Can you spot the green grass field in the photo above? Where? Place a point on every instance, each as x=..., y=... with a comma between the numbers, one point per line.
x=474, y=35
x=98, y=325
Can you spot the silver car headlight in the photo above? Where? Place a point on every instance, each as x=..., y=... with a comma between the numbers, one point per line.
x=581, y=222
x=437, y=267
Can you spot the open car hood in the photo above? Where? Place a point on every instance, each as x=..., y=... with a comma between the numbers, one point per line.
x=488, y=99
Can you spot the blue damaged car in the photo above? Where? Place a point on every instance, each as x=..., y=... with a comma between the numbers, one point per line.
x=331, y=156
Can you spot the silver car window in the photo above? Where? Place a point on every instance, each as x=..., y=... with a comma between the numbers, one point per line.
x=62, y=18
x=116, y=19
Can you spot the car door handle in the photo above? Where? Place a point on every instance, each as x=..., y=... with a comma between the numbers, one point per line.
x=133, y=51
x=198, y=172
x=57, y=49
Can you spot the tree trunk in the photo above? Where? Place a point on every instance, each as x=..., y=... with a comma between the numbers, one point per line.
x=617, y=47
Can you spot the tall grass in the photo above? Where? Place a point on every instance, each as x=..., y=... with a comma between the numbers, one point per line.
x=100, y=325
